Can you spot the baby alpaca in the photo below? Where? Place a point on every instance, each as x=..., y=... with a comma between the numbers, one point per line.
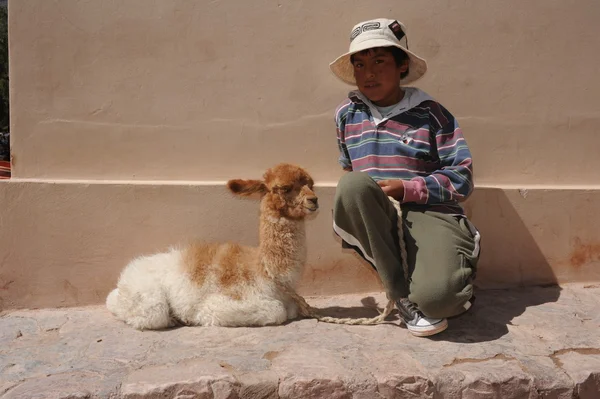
x=226, y=284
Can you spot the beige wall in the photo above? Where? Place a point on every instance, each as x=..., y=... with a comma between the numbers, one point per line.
x=202, y=90
x=128, y=115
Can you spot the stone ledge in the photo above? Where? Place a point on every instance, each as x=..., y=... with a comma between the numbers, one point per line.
x=531, y=342
x=65, y=243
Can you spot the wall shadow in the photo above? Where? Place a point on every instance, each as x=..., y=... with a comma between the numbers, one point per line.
x=511, y=264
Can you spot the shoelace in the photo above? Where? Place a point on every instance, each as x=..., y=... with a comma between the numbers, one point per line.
x=410, y=307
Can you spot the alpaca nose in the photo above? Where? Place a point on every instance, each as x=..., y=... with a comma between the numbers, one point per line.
x=314, y=201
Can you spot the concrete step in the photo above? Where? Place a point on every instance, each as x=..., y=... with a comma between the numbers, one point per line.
x=64, y=243
x=518, y=343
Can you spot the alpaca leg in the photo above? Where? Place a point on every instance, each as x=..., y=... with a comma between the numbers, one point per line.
x=292, y=309
x=112, y=301
x=143, y=310
x=141, y=297
x=219, y=310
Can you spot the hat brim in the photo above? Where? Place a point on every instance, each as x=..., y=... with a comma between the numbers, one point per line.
x=344, y=70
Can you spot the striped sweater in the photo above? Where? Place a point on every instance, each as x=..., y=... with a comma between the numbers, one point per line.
x=419, y=141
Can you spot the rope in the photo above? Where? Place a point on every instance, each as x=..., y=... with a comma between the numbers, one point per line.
x=403, y=254
x=307, y=311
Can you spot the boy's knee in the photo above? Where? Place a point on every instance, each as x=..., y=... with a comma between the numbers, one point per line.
x=354, y=185
x=445, y=292
x=441, y=303
x=357, y=195
x=357, y=190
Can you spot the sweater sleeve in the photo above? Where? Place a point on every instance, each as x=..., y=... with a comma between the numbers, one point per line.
x=453, y=181
x=341, y=113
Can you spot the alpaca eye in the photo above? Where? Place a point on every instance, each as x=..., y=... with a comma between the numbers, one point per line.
x=286, y=189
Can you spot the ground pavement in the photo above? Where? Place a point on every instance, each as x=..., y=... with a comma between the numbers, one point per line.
x=518, y=343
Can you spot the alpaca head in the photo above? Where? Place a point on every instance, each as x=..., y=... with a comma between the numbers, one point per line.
x=286, y=190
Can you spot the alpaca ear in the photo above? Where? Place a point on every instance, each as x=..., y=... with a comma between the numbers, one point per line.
x=246, y=187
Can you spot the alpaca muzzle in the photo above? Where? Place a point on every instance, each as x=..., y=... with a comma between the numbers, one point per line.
x=312, y=204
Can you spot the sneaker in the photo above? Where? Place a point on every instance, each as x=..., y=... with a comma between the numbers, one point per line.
x=416, y=322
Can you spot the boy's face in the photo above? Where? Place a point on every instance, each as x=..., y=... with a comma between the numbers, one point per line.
x=378, y=77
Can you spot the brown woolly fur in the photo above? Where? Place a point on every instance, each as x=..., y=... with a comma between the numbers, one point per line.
x=238, y=265
x=287, y=186
x=246, y=187
x=197, y=259
x=288, y=195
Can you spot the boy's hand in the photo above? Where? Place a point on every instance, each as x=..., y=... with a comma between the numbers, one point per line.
x=392, y=188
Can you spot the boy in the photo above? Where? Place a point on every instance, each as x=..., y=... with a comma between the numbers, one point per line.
x=399, y=142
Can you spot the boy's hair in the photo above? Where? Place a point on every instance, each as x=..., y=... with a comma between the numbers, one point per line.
x=399, y=56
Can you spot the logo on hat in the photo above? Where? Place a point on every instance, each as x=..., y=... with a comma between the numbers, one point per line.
x=397, y=30
x=364, y=28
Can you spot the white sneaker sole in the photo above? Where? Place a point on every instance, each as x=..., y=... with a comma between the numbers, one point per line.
x=428, y=331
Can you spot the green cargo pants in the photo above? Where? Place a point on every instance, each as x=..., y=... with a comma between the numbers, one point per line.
x=442, y=249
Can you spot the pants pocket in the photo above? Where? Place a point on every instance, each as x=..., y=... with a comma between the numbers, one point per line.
x=469, y=228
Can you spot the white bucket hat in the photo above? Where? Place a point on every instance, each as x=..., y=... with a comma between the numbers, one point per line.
x=378, y=33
